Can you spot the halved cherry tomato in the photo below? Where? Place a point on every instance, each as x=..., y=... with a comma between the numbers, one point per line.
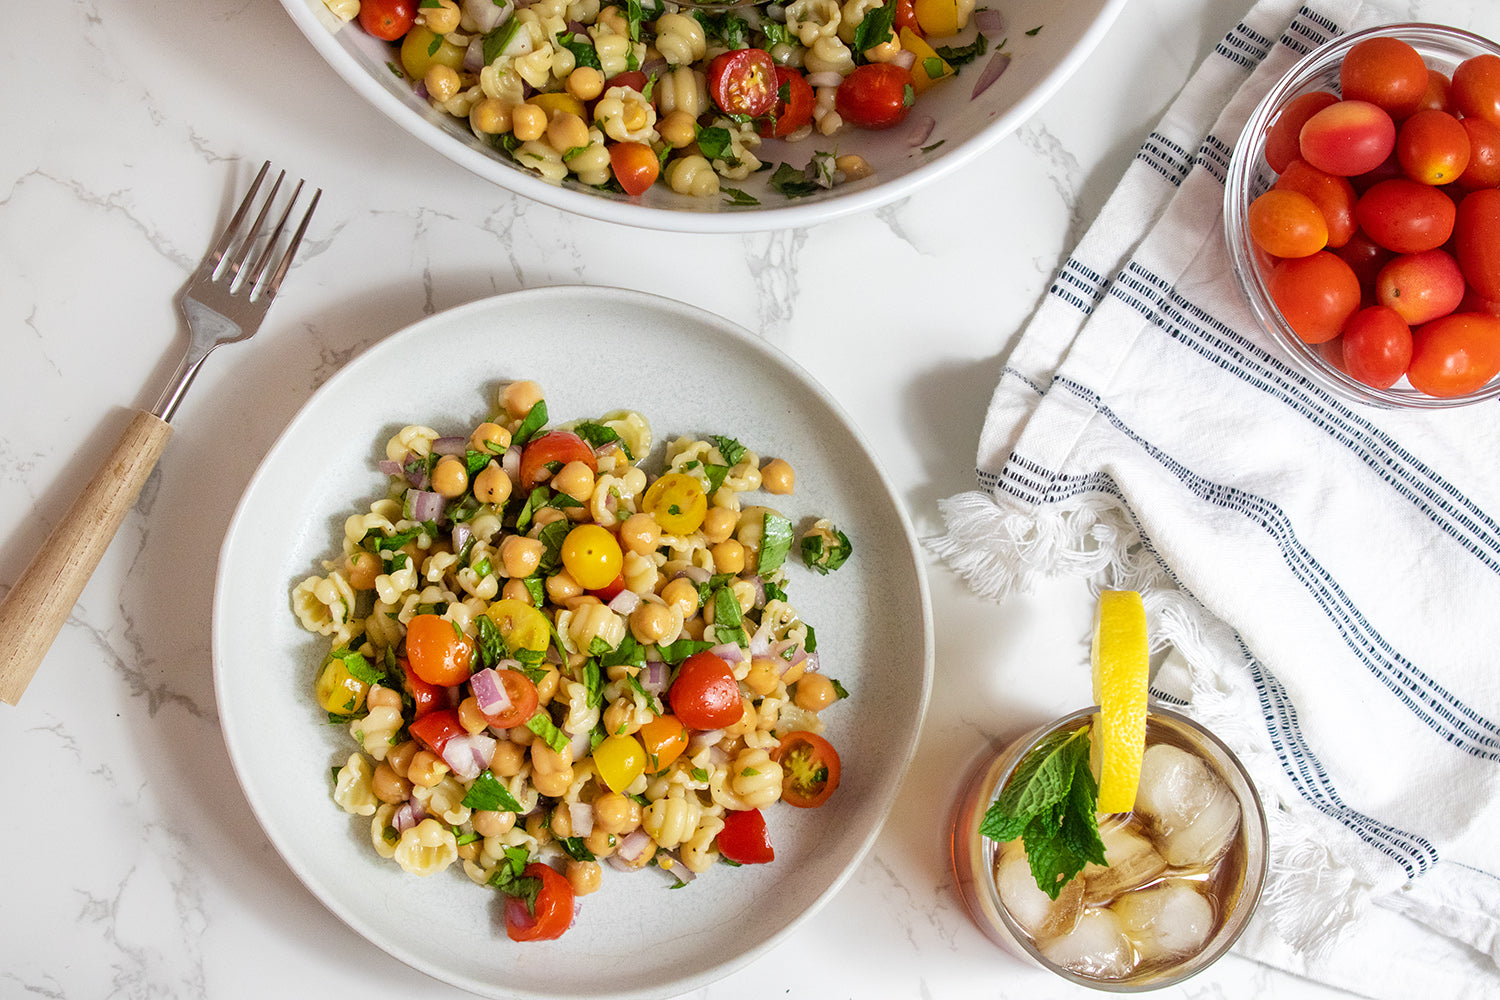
x=1385, y=71
x=388, y=19
x=875, y=96
x=1420, y=287
x=433, y=730
x=1476, y=88
x=1315, y=294
x=1348, y=138
x=1286, y=223
x=795, y=101
x=1432, y=147
x=743, y=82
x=521, y=625
x=1376, y=346
x=523, y=700
x=609, y=591
x=705, y=694
x=546, y=453
x=664, y=737
x=633, y=78
x=634, y=165
x=592, y=556
x=619, y=759
x=545, y=915
x=438, y=650
x=1284, y=135
x=1333, y=195
x=906, y=16
x=1456, y=354
x=809, y=769
x=426, y=697
x=1405, y=216
x=1476, y=241
x=744, y=839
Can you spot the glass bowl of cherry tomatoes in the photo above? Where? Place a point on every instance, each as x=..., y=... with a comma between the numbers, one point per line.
x=1362, y=214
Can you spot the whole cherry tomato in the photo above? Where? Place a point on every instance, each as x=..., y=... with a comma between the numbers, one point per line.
x=1455, y=355
x=438, y=650
x=634, y=165
x=1333, y=195
x=1286, y=224
x=1316, y=294
x=1435, y=97
x=744, y=839
x=1386, y=72
x=1432, y=147
x=875, y=96
x=1474, y=302
x=544, y=910
x=388, y=19
x=795, y=101
x=1405, y=216
x=547, y=453
x=743, y=82
x=1285, y=134
x=1420, y=286
x=592, y=556
x=1366, y=258
x=1476, y=241
x=1348, y=138
x=705, y=695
x=1483, y=170
x=810, y=769
x=1376, y=346
x=1476, y=88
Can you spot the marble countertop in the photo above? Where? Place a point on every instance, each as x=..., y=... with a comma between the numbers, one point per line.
x=134, y=865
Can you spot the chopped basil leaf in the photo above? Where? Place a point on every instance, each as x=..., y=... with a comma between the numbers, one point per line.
x=536, y=419
x=359, y=668
x=499, y=37
x=960, y=55
x=729, y=623
x=790, y=182
x=676, y=652
x=551, y=536
x=734, y=196
x=775, y=543
x=875, y=29
x=822, y=554
x=546, y=730
x=574, y=848
x=487, y=793
x=731, y=449
x=584, y=53
x=838, y=689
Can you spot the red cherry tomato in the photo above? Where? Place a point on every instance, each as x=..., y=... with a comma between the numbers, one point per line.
x=1366, y=258
x=1286, y=224
x=744, y=839
x=1376, y=346
x=875, y=96
x=1435, y=97
x=743, y=82
x=426, y=697
x=545, y=454
x=433, y=730
x=705, y=694
x=809, y=769
x=795, y=101
x=1432, y=147
x=610, y=592
x=1456, y=354
x=1483, y=170
x=635, y=166
x=1333, y=195
x=1474, y=302
x=1316, y=294
x=545, y=915
x=906, y=16
x=1420, y=287
x=438, y=650
x=1348, y=138
x=523, y=700
x=388, y=19
x=1405, y=216
x=1476, y=241
x=1476, y=88
x=1386, y=72
x=633, y=78
x=1285, y=134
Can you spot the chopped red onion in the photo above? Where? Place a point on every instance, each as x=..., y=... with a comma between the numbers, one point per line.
x=906, y=59
x=461, y=535
x=729, y=652
x=486, y=14
x=654, y=680
x=474, y=55
x=391, y=468
x=619, y=864
x=920, y=130
x=450, y=445
x=990, y=22
x=633, y=846
x=624, y=602
x=697, y=574
x=991, y=72
x=408, y=814
x=489, y=691
x=511, y=463
x=467, y=755
x=827, y=78
x=706, y=738
x=578, y=744
x=670, y=864
x=425, y=505
x=581, y=816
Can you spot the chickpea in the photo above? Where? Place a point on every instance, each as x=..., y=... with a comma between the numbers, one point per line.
x=536, y=825
x=492, y=822
x=683, y=594
x=560, y=820
x=441, y=81
x=584, y=877
x=470, y=717
x=554, y=784
x=613, y=19
x=490, y=116
x=575, y=479
x=885, y=52
x=380, y=696
x=651, y=622
x=616, y=813
x=527, y=122
x=678, y=129
x=619, y=718
x=489, y=439
x=441, y=19
x=764, y=675
x=729, y=557
x=747, y=720
x=515, y=590
x=718, y=524
x=853, y=165
x=519, y=397
x=388, y=785
x=362, y=568
x=546, y=516
x=492, y=484
x=639, y=533
x=585, y=83
x=508, y=759
x=546, y=689
x=566, y=131
x=449, y=477
x=400, y=755
x=778, y=476
x=815, y=692
x=561, y=586
x=426, y=769
x=545, y=760
x=520, y=556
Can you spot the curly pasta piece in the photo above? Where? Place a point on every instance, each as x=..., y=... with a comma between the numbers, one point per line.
x=692, y=175
x=376, y=732
x=590, y=163
x=414, y=439
x=535, y=67
x=810, y=20
x=354, y=790
x=391, y=587
x=626, y=116
x=852, y=14
x=742, y=161
x=634, y=430
x=444, y=800
x=672, y=820
x=324, y=604
x=755, y=777
x=500, y=80
x=383, y=832
x=680, y=39
x=699, y=852
x=542, y=158
x=427, y=848
x=580, y=716
x=826, y=120
x=682, y=89
x=829, y=55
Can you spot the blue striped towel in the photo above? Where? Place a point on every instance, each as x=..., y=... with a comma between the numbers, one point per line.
x=1324, y=576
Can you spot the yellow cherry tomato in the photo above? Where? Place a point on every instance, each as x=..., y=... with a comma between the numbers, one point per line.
x=422, y=47
x=592, y=556
x=339, y=691
x=521, y=625
x=942, y=18
x=556, y=103
x=665, y=737
x=677, y=502
x=619, y=761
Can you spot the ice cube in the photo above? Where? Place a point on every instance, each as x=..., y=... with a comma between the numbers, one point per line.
x=1039, y=915
x=1132, y=862
x=1193, y=815
x=1166, y=921
x=1097, y=948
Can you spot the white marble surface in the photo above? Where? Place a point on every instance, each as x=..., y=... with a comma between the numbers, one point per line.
x=133, y=866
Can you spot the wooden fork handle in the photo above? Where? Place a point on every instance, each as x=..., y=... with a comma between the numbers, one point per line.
x=43, y=597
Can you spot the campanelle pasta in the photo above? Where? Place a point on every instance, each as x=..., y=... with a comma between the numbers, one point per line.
x=546, y=657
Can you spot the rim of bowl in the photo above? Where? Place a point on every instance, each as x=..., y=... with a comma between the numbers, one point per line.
x=1246, y=168
x=1251, y=887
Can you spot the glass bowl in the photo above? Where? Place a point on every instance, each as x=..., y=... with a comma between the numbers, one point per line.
x=1236, y=882
x=1443, y=48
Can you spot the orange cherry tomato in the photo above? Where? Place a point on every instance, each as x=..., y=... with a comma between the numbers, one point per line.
x=388, y=20
x=1432, y=147
x=809, y=769
x=1420, y=287
x=1316, y=294
x=1455, y=355
x=546, y=453
x=635, y=166
x=545, y=915
x=664, y=737
x=705, y=694
x=1333, y=195
x=1286, y=224
x=438, y=650
x=425, y=697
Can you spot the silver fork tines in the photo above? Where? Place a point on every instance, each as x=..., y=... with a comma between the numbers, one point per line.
x=226, y=304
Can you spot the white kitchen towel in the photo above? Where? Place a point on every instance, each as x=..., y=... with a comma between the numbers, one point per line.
x=1326, y=575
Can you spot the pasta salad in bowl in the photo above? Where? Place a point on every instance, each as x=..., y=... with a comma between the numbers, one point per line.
x=462, y=629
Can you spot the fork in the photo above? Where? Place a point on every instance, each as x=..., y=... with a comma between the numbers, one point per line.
x=224, y=302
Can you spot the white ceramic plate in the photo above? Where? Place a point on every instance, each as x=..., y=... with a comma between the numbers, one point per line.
x=706, y=375
x=964, y=127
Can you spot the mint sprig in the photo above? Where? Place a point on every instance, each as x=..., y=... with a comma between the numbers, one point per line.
x=1049, y=803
